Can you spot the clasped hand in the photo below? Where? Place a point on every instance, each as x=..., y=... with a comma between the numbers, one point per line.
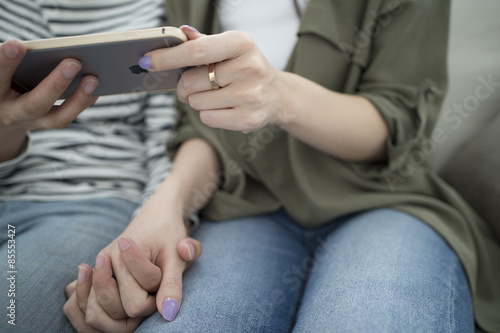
x=129, y=283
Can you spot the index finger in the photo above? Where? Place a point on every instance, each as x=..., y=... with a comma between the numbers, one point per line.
x=76, y=316
x=83, y=285
x=147, y=274
x=106, y=288
x=40, y=100
x=201, y=51
x=11, y=54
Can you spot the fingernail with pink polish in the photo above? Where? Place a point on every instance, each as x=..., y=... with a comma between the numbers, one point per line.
x=89, y=86
x=190, y=28
x=170, y=309
x=11, y=50
x=191, y=250
x=82, y=275
x=71, y=69
x=145, y=63
x=100, y=260
x=123, y=243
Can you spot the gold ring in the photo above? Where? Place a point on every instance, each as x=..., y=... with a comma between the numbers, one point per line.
x=212, y=78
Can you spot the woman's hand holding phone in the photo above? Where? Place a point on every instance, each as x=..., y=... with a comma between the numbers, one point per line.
x=249, y=97
x=35, y=109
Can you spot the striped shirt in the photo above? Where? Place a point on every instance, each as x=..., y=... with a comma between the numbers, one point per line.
x=113, y=149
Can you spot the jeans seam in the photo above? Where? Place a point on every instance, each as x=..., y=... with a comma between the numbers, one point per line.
x=452, y=282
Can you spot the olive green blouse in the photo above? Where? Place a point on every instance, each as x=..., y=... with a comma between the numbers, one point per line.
x=394, y=54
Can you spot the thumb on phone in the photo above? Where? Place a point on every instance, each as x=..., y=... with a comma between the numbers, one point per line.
x=190, y=32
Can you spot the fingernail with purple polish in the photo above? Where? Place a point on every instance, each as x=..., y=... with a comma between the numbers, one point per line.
x=145, y=63
x=170, y=309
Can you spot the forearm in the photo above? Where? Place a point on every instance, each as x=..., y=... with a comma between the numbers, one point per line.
x=345, y=126
x=193, y=180
x=160, y=115
x=12, y=141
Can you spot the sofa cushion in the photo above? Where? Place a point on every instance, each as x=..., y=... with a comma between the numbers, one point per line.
x=474, y=171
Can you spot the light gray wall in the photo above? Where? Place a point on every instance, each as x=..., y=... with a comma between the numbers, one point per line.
x=474, y=52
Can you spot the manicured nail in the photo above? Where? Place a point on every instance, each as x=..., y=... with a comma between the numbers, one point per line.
x=190, y=28
x=11, y=50
x=191, y=250
x=123, y=243
x=89, y=86
x=145, y=63
x=70, y=69
x=82, y=275
x=170, y=308
x=100, y=260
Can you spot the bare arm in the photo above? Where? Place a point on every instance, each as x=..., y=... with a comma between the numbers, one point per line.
x=195, y=170
x=345, y=126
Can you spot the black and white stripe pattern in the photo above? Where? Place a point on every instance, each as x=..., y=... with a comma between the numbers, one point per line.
x=113, y=149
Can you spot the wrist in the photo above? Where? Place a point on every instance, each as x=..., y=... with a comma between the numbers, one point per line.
x=170, y=196
x=286, y=113
x=157, y=216
x=194, y=179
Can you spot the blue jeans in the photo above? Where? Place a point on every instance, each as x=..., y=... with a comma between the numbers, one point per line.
x=377, y=271
x=51, y=240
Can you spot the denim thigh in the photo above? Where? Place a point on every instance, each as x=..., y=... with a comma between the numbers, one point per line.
x=244, y=280
x=51, y=240
x=385, y=271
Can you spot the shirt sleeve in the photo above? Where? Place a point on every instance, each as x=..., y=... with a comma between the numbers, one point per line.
x=405, y=75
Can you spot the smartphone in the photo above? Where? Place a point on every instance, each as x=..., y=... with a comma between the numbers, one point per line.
x=112, y=57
